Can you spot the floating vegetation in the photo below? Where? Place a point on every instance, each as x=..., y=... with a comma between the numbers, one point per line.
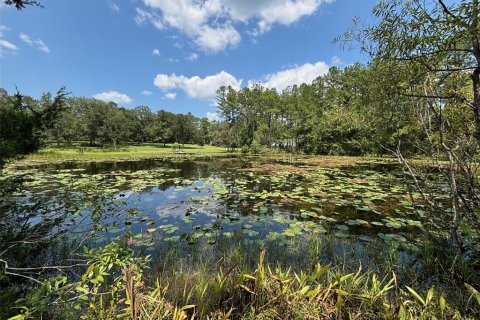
x=271, y=201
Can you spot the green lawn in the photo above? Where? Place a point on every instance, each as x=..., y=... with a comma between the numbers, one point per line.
x=126, y=152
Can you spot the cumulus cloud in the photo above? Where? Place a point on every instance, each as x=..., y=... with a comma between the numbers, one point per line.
x=196, y=87
x=212, y=116
x=305, y=73
x=147, y=93
x=211, y=23
x=37, y=43
x=113, y=96
x=156, y=52
x=217, y=39
x=284, y=12
x=170, y=95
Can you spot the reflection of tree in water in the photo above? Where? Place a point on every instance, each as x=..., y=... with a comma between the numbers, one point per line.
x=43, y=236
x=27, y=235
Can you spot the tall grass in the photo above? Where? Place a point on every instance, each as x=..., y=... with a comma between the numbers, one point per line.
x=305, y=278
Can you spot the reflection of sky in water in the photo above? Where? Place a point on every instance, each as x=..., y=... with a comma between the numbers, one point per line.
x=176, y=208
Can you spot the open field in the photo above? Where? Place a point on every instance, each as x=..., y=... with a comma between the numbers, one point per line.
x=122, y=152
x=52, y=154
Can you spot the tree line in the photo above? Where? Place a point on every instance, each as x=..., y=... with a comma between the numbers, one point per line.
x=348, y=111
x=92, y=123
x=99, y=123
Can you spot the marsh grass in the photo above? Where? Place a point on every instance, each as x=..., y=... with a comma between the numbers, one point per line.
x=302, y=281
x=306, y=278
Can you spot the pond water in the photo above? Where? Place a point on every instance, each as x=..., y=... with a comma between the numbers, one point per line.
x=166, y=202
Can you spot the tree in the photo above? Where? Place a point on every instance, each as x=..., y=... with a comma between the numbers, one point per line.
x=161, y=128
x=431, y=50
x=204, y=132
x=24, y=121
x=115, y=126
x=22, y=4
x=427, y=40
x=184, y=128
x=142, y=118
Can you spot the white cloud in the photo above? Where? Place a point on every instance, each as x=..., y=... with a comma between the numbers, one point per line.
x=147, y=93
x=196, y=87
x=191, y=57
x=212, y=116
x=113, y=96
x=217, y=39
x=156, y=52
x=297, y=75
x=285, y=12
x=211, y=23
x=173, y=60
x=38, y=43
x=4, y=44
x=336, y=61
x=2, y=30
x=7, y=46
x=171, y=95
x=113, y=6
x=145, y=16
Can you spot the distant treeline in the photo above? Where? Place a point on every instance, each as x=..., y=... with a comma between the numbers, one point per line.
x=349, y=111
x=98, y=123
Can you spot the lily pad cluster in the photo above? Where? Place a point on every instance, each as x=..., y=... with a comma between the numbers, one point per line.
x=162, y=204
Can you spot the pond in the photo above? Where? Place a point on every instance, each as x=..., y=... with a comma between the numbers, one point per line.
x=205, y=202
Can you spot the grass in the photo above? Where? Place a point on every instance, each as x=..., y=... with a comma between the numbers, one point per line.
x=54, y=154
x=130, y=151
x=248, y=282
x=122, y=152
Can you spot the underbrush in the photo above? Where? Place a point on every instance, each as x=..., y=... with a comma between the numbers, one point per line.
x=243, y=281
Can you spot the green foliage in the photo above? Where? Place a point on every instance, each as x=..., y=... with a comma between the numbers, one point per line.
x=23, y=122
x=113, y=287
x=102, y=292
x=98, y=123
x=22, y=4
x=345, y=112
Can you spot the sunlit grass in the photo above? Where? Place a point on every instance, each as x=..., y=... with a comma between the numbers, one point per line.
x=126, y=152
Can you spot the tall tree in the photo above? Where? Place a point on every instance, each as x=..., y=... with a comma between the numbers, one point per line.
x=427, y=40
x=431, y=50
x=24, y=121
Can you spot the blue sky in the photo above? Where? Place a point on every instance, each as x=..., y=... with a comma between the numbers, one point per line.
x=171, y=54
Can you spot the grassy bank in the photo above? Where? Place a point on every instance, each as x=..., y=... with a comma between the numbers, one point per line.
x=121, y=152
x=54, y=154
